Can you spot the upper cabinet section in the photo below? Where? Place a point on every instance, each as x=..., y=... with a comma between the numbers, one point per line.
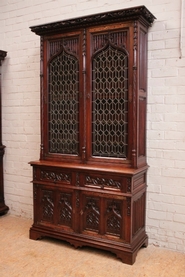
x=94, y=88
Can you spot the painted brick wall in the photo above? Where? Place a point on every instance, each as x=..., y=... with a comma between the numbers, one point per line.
x=166, y=106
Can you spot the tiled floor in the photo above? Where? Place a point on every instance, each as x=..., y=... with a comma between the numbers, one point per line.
x=22, y=257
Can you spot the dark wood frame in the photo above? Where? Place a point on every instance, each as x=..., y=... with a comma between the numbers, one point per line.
x=3, y=208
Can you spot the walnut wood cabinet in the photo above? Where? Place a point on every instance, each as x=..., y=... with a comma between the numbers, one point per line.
x=3, y=207
x=89, y=186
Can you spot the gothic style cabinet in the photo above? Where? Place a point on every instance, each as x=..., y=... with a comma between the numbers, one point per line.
x=3, y=207
x=90, y=182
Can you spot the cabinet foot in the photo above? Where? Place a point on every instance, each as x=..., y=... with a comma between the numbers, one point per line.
x=145, y=244
x=126, y=257
x=3, y=209
x=35, y=235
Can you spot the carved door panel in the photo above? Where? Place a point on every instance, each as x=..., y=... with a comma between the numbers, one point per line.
x=55, y=207
x=90, y=212
x=44, y=199
x=114, y=218
x=108, y=102
x=65, y=209
x=63, y=96
x=103, y=215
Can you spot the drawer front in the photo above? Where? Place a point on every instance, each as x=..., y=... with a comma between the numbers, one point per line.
x=107, y=182
x=54, y=176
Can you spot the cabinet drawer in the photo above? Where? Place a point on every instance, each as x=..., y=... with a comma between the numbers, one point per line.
x=108, y=182
x=52, y=176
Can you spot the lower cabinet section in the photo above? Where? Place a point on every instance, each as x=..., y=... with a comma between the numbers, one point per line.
x=85, y=206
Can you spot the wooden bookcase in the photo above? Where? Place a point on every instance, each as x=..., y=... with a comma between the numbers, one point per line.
x=89, y=186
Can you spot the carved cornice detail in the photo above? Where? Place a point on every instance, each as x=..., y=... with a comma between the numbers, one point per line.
x=140, y=12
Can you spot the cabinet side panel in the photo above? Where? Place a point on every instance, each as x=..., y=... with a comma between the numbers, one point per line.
x=90, y=213
x=142, y=96
x=142, y=60
x=142, y=126
x=138, y=214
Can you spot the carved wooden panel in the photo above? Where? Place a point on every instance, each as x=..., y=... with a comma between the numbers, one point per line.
x=65, y=208
x=90, y=213
x=142, y=124
x=117, y=39
x=138, y=214
x=69, y=45
x=55, y=176
x=114, y=217
x=139, y=181
x=47, y=205
x=102, y=182
x=142, y=60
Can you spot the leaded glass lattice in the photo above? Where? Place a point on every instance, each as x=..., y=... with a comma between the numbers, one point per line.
x=64, y=104
x=110, y=103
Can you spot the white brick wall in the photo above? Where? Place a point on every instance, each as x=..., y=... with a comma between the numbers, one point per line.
x=166, y=106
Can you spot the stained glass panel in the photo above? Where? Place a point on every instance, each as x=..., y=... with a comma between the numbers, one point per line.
x=64, y=104
x=110, y=103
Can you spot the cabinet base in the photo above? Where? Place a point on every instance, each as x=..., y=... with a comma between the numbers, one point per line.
x=123, y=251
x=3, y=209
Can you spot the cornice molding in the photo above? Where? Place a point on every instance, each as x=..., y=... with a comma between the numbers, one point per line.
x=135, y=13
